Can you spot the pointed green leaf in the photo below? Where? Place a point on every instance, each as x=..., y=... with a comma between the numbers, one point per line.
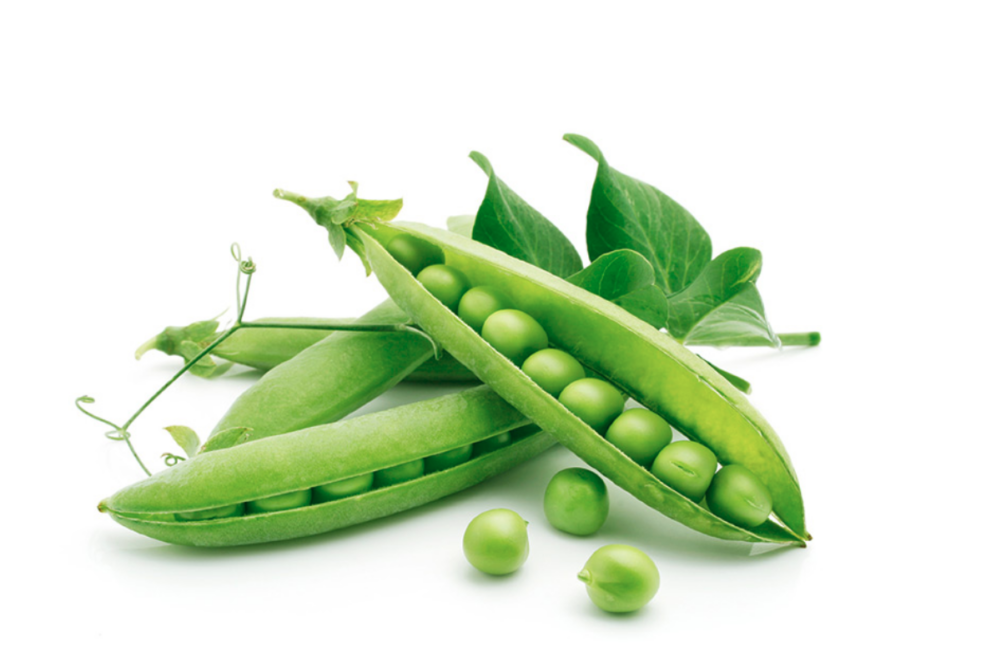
x=647, y=303
x=168, y=340
x=335, y=234
x=615, y=274
x=627, y=213
x=506, y=222
x=722, y=304
x=225, y=439
x=185, y=438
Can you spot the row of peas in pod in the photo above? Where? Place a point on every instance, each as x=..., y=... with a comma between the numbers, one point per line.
x=356, y=485
x=732, y=492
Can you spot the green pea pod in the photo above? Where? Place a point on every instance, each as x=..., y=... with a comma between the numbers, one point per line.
x=321, y=455
x=660, y=373
x=329, y=379
x=264, y=348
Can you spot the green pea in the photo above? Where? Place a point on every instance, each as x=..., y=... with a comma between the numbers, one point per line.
x=449, y=459
x=492, y=444
x=553, y=370
x=595, y=401
x=496, y=542
x=687, y=467
x=283, y=501
x=620, y=578
x=215, y=513
x=640, y=434
x=414, y=253
x=576, y=501
x=399, y=474
x=351, y=486
x=479, y=303
x=515, y=334
x=446, y=283
x=738, y=496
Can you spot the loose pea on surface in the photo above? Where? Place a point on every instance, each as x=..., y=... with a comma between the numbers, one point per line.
x=576, y=501
x=479, y=303
x=492, y=444
x=496, y=542
x=449, y=459
x=515, y=334
x=343, y=488
x=640, y=434
x=620, y=578
x=687, y=467
x=414, y=253
x=738, y=496
x=283, y=501
x=446, y=283
x=399, y=474
x=215, y=513
x=553, y=370
x=595, y=401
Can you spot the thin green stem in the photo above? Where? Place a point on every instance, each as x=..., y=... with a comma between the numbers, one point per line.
x=118, y=432
x=178, y=374
x=807, y=339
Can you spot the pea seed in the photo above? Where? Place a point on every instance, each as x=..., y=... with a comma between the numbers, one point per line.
x=492, y=444
x=479, y=303
x=399, y=474
x=446, y=283
x=595, y=401
x=620, y=578
x=553, y=370
x=687, y=467
x=283, y=501
x=496, y=542
x=344, y=488
x=640, y=434
x=515, y=334
x=449, y=459
x=215, y=513
x=737, y=495
x=576, y=501
x=414, y=253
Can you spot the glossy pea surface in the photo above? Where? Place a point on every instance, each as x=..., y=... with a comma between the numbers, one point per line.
x=492, y=444
x=620, y=578
x=344, y=488
x=449, y=459
x=283, y=501
x=496, y=542
x=446, y=283
x=399, y=474
x=595, y=401
x=640, y=434
x=737, y=495
x=414, y=253
x=576, y=501
x=553, y=370
x=687, y=467
x=479, y=303
x=515, y=334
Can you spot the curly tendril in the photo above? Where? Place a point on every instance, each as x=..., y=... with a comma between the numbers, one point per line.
x=171, y=460
x=118, y=433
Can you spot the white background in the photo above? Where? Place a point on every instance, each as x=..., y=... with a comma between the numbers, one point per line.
x=857, y=146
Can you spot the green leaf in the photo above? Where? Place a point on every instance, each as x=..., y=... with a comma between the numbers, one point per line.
x=225, y=439
x=647, y=303
x=462, y=225
x=206, y=367
x=168, y=340
x=185, y=438
x=615, y=274
x=627, y=213
x=506, y=222
x=722, y=305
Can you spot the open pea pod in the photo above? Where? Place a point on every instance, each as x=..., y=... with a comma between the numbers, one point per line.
x=649, y=366
x=310, y=458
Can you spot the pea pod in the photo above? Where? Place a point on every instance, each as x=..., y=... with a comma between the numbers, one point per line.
x=648, y=365
x=264, y=348
x=329, y=379
x=321, y=455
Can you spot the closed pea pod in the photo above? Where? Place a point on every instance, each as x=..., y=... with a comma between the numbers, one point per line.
x=320, y=456
x=651, y=367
